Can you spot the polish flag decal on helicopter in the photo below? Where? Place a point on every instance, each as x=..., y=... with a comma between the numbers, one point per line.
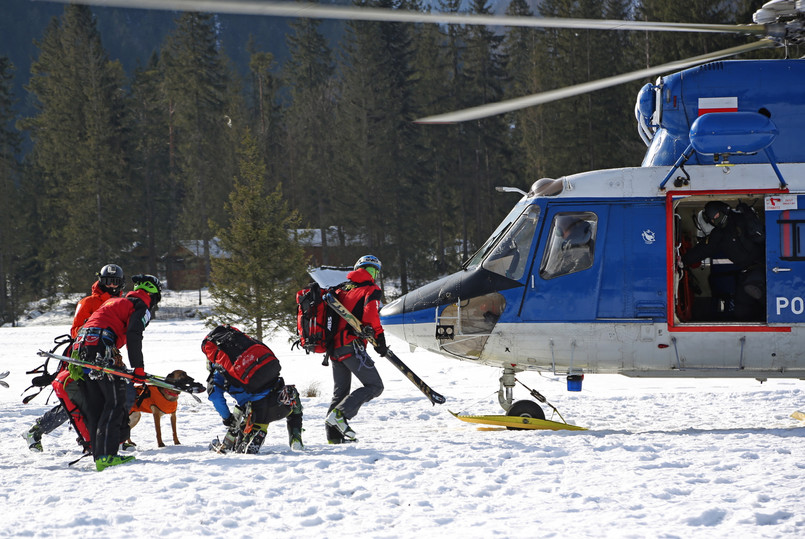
x=717, y=104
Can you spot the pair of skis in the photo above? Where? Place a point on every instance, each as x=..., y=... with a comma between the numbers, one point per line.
x=353, y=321
x=191, y=386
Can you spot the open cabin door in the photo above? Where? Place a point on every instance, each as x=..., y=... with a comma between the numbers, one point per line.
x=707, y=293
x=785, y=259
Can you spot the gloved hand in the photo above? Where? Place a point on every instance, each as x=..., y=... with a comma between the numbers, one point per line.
x=76, y=371
x=139, y=375
x=368, y=331
x=380, y=345
x=229, y=421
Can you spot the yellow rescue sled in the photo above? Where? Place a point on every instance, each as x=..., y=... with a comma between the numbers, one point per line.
x=516, y=422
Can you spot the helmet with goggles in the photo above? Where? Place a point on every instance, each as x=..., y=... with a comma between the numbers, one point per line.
x=111, y=279
x=370, y=263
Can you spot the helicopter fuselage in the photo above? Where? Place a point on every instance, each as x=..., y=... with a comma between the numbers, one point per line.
x=584, y=274
x=621, y=305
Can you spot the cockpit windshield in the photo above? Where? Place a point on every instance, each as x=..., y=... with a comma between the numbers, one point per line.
x=481, y=253
x=509, y=257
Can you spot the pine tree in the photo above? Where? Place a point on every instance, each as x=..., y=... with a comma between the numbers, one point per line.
x=523, y=56
x=157, y=192
x=309, y=124
x=12, y=235
x=486, y=139
x=265, y=111
x=255, y=281
x=593, y=130
x=79, y=150
x=200, y=109
x=376, y=170
x=662, y=47
x=438, y=219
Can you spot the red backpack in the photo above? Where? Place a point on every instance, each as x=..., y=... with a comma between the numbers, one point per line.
x=246, y=362
x=315, y=321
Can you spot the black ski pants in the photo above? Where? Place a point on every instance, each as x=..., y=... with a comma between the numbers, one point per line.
x=108, y=415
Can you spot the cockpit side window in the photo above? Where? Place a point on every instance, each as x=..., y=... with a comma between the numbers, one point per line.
x=571, y=246
x=510, y=255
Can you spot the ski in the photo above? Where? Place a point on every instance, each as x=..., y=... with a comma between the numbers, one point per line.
x=353, y=321
x=3, y=375
x=150, y=379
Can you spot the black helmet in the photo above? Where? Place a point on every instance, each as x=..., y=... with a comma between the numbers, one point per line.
x=111, y=279
x=716, y=212
x=150, y=284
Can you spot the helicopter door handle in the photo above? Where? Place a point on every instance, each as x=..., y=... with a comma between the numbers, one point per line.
x=778, y=270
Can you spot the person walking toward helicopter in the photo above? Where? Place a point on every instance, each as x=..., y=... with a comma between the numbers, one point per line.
x=361, y=296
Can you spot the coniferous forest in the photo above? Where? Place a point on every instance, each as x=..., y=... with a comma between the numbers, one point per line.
x=104, y=163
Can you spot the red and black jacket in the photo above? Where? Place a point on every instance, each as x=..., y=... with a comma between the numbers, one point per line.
x=127, y=318
x=362, y=297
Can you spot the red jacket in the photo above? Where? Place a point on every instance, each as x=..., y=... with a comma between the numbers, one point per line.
x=362, y=297
x=126, y=317
x=87, y=306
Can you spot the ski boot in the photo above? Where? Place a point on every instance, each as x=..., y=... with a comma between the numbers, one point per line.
x=334, y=435
x=295, y=440
x=233, y=436
x=111, y=460
x=336, y=419
x=252, y=442
x=34, y=438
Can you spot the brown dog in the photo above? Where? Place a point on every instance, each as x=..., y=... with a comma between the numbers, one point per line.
x=158, y=401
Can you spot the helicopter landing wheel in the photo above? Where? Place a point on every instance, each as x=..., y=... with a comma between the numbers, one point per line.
x=525, y=408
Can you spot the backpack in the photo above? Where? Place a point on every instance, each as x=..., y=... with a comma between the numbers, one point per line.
x=315, y=320
x=244, y=361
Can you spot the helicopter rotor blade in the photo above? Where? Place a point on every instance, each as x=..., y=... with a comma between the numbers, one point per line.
x=319, y=11
x=492, y=109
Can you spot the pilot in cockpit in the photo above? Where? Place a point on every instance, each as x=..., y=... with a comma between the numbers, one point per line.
x=571, y=249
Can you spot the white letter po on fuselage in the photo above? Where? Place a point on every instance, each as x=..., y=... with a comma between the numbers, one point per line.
x=797, y=305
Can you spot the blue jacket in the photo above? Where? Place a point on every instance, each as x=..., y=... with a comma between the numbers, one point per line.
x=218, y=388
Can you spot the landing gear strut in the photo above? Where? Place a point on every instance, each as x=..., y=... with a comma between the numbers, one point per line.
x=522, y=408
x=506, y=391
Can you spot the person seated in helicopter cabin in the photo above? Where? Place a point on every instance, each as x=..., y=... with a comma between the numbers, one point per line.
x=571, y=247
x=737, y=235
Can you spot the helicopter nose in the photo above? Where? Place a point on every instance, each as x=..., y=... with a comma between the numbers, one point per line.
x=392, y=316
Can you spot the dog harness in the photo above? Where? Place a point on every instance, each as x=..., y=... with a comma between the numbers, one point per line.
x=153, y=398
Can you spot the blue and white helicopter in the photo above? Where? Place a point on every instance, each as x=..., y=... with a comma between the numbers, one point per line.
x=611, y=297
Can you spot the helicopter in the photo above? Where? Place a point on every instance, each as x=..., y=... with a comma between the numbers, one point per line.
x=584, y=274
x=612, y=297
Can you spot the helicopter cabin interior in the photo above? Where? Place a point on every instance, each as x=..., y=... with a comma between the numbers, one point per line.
x=705, y=291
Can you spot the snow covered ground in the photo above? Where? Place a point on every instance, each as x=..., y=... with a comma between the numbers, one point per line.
x=663, y=458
